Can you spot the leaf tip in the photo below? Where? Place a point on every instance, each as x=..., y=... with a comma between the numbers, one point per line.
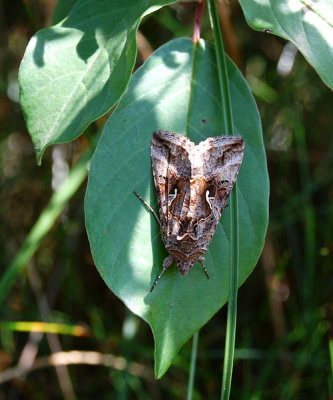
x=39, y=151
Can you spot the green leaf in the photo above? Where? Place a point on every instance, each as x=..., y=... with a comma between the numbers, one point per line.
x=73, y=72
x=307, y=24
x=177, y=90
x=62, y=9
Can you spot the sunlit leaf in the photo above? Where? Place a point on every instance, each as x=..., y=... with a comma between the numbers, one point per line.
x=308, y=24
x=73, y=72
x=177, y=90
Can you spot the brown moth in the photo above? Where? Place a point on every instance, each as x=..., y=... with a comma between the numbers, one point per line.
x=193, y=183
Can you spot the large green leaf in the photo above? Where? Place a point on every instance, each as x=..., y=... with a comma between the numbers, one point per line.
x=73, y=72
x=308, y=24
x=177, y=90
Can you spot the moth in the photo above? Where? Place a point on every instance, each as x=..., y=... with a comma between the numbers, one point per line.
x=193, y=183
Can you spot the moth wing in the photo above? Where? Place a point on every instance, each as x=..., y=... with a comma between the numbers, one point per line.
x=171, y=166
x=222, y=157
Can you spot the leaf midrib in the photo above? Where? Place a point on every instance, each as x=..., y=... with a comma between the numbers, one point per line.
x=315, y=11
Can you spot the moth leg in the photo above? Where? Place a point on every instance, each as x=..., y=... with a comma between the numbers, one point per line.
x=166, y=264
x=201, y=260
x=148, y=206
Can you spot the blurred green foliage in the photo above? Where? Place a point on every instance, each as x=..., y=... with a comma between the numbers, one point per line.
x=285, y=307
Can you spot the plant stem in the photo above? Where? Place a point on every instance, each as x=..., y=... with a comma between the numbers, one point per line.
x=330, y=348
x=234, y=234
x=197, y=23
x=192, y=367
x=309, y=219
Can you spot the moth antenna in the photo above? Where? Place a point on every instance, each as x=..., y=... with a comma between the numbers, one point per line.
x=166, y=264
x=203, y=266
x=148, y=206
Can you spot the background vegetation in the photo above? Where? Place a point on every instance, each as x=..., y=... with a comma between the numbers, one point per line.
x=285, y=307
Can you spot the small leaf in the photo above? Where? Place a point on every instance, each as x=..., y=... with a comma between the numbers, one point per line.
x=176, y=90
x=306, y=23
x=74, y=72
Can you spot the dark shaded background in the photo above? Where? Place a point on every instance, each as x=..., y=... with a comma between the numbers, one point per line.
x=285, y=307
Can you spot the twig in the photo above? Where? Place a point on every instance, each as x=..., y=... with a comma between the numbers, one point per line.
x=79, y=357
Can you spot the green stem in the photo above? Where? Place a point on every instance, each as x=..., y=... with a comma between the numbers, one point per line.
x=330, y=379
x=192, y=367
x=45, y=222
x=309, y=219
x=234, y=234
x=221, y=67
